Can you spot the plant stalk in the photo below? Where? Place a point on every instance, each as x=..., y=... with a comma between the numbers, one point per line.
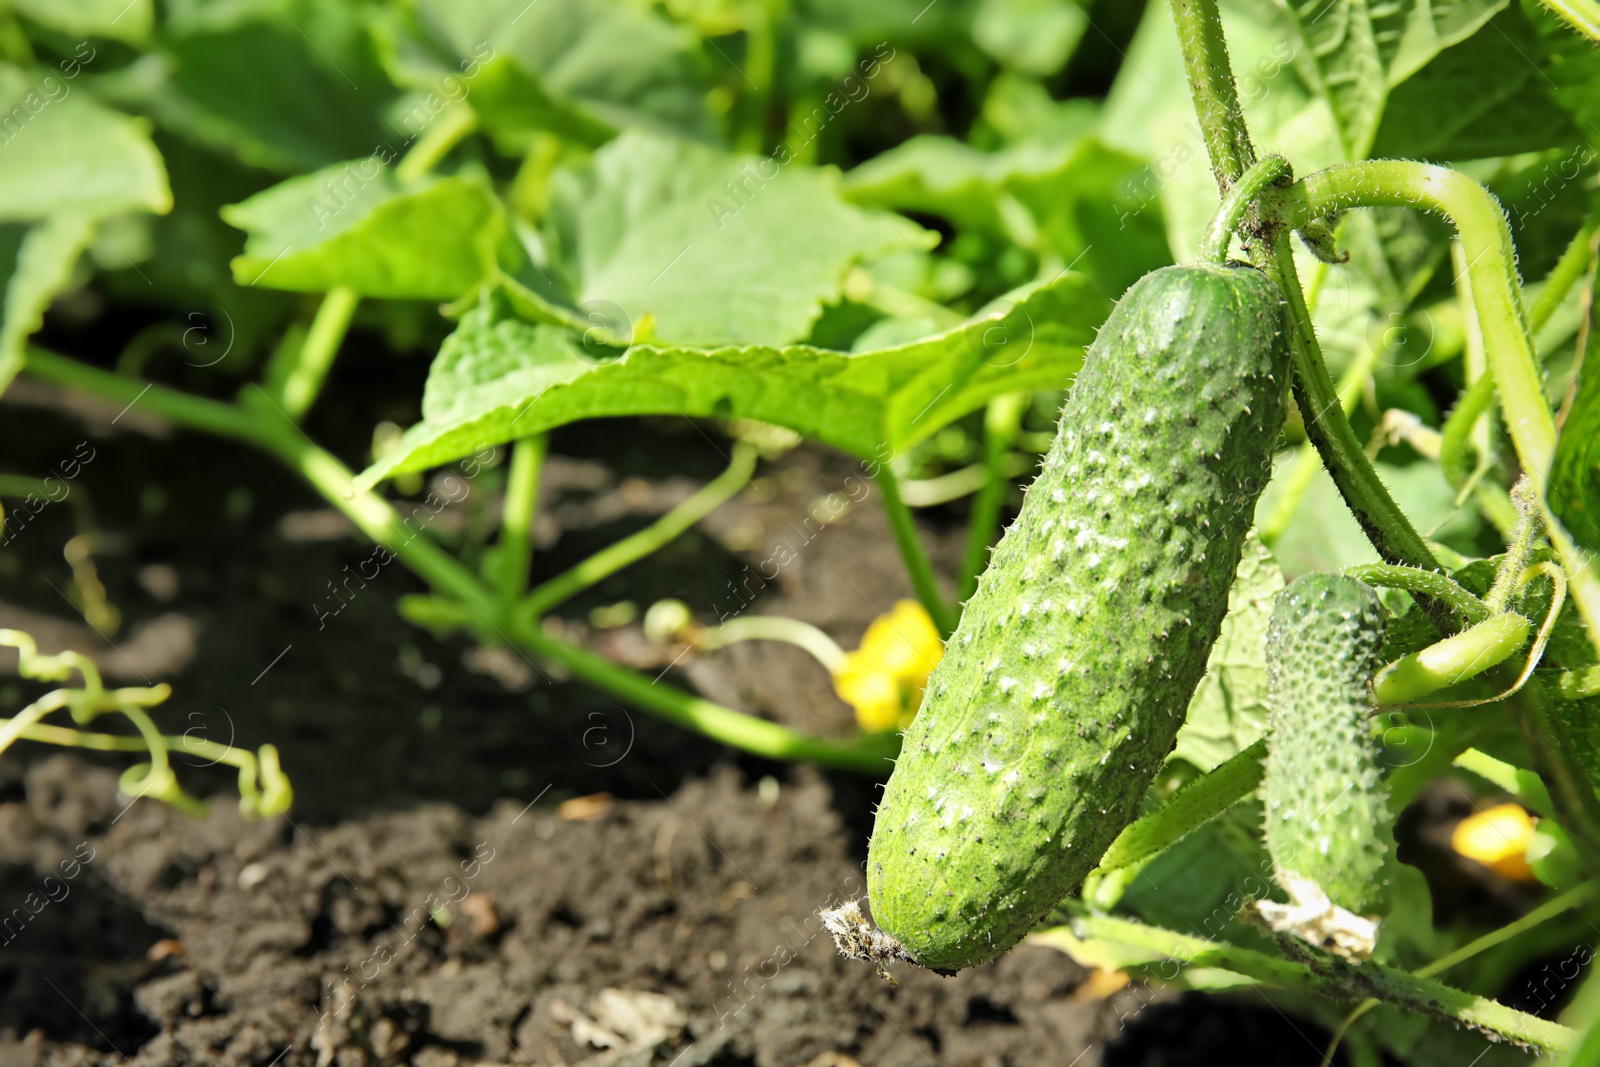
x=1238, y=203
x=1216, y=99
x=515, y=551
x=1000, y=422
x=1426, y=583
x=1330, y=976
x=637, y=546
x=1211, y=85
x=870, y=753
x=918, y=566
x=298, y=383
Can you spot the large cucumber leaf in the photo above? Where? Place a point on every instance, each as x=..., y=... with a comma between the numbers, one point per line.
x=583, y=71
x=68, y=163
x=65, y=152
x=284, y=84
x=712, y=248
x=1486, y=96
x=1066, y=196
x=36, y=263
x=359, y=226
x=498, y=378
x=1356, y=51
x=1229, y=710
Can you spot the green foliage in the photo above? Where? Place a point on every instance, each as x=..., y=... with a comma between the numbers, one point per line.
x=1574, y=486
x=582, y=71
x=678, y=233
x=1229, y=711
x=864, y=224
x=498, y=379
x=357, y=226
x=1356, y=52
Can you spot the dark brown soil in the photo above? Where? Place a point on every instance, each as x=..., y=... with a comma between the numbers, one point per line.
x=444, y=894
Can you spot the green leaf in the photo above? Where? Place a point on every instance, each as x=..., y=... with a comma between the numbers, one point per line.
x=1571, y=68
x=1066, y=196
x=583, y=71
x=1357, y=50
x=1486, y=96
x=1229, y=710
x=1036, y=36
x=499, y=379
x=65, y=152
x=357, y=225
x=714, y=248
x=1573, y=486
x=127, y=20
x=1202, y=882
x=289, y=85
x=35, y=265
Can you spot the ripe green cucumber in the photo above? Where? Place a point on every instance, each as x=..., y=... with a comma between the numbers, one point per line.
x=1327, y=807
x=1064, y=686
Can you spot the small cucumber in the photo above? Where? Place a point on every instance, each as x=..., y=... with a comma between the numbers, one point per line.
x=1064, y=687
x=1328, y=826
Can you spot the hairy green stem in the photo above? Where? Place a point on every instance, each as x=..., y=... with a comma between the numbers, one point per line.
x=760, y=64
x=1386, y=526
x=918, y=566
x=1426, y=583
x=1332, y=977
x=1211, y=85
x=1550, y=909
x=515, y=551
x=1455, y=439
x=443, y=134
x=1307, y=461
x=637, y=546
x=1474, y=402
x=1241, y=199
x=212, y=416
x=1583, y=16
x=1491, y=265
x=1216, y=100
x=1567, y=272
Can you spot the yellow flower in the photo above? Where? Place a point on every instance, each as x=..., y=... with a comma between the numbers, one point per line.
x=884, y=678
x=1498, y=838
